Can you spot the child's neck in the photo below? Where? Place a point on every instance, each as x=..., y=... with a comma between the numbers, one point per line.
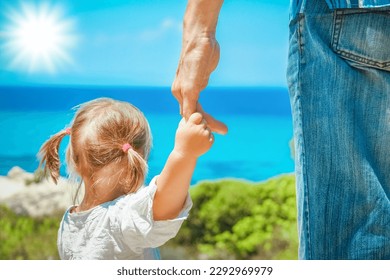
x=97, y=193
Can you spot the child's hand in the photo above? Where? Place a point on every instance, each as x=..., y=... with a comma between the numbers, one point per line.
x=193, y=137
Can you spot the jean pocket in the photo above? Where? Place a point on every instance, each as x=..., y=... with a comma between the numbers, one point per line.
x=363, y=37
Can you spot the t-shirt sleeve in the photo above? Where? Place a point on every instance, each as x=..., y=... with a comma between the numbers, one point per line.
x=137, y=225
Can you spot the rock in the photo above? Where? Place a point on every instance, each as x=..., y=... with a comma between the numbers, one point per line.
x=9, y=187
x=18, y=174
x=37, y=199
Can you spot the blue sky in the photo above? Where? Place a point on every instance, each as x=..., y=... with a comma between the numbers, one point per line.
x=137, y=43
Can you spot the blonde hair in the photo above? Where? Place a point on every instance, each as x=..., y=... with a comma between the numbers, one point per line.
x=99, y=131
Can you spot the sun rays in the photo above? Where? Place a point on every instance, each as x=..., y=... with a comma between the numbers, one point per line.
x=38, y=39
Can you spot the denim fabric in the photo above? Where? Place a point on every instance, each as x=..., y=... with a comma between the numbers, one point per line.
x=337, y=4
x=339, y=82
x=297, y=6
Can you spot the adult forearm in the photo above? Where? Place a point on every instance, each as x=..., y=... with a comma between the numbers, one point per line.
x=200, y=52
x=198, y=59
x=201, y=17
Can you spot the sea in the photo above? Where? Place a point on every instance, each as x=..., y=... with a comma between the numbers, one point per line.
x=257, y=146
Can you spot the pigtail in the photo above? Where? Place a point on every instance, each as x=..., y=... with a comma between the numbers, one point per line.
x=136, y=170
x=49, y=155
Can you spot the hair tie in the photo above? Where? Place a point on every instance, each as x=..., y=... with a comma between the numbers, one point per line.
x=67, y=131
x=126, y=147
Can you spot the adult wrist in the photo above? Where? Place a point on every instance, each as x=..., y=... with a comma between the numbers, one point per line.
x=201, y=18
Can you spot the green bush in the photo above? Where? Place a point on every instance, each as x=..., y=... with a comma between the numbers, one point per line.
x=241, y=220
x=26, y=238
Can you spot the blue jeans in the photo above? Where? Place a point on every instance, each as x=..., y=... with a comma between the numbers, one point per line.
x=339, y=82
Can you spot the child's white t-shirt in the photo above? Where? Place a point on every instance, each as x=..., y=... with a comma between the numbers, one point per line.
x=120, y=229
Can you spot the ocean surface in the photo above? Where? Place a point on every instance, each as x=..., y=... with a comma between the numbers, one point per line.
x=256, y=147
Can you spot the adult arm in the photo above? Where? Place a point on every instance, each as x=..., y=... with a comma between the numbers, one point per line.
x=199, y=58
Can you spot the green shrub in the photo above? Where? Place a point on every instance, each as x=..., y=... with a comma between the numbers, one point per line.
x=26, y=238
x=241, y=220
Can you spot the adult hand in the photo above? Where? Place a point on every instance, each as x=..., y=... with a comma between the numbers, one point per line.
x=199, y=58
x=192, y=76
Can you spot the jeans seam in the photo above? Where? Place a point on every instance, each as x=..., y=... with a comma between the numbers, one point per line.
x=301, y=43
x=336, y=30
x=306, y=212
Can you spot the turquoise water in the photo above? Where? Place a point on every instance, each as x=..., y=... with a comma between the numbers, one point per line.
x=256, y=147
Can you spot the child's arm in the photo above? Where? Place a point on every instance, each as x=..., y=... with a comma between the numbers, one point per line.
x=193, y=139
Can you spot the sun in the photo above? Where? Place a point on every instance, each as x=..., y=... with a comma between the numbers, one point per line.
x=38, y=38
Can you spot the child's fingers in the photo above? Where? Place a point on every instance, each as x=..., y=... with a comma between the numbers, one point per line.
x=196, y=118
x=211, y=138
x=209, y=134
x=204, y=123
x=182, y=122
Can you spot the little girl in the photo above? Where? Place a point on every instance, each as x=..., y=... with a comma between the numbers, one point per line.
x=118, y=218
